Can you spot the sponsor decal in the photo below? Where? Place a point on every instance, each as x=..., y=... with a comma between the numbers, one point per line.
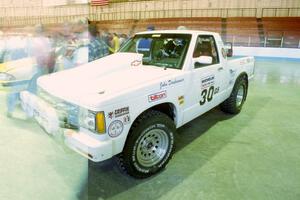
x=242, y=62
x=136, y=63
x=208, y=81
x=115, y=128
x=165, y=84
x=118, y=112
x=111, y=115
x=181, y=100
x=126, y=119
x=217, y=90
x=157, y=96
x=121, y=111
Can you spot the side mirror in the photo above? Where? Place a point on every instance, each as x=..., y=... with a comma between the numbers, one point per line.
x=202, y=60
x=228, y=47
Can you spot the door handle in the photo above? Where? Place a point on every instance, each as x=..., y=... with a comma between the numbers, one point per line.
x=220, y=68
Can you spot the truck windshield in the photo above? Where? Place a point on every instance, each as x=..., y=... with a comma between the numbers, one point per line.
x=161, y=50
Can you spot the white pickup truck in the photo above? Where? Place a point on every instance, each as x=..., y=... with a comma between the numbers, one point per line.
x=129, y=104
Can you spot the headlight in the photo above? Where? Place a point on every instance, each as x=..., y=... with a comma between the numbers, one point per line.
x=6, y=77
x=93, y=121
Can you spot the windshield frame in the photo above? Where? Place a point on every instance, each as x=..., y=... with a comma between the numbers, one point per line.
x=182, y=58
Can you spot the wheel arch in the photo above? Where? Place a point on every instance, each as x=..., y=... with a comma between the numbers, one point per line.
x=243, y=75
x=167, y=108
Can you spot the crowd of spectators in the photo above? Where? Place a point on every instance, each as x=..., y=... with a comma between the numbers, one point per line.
x=69, y=45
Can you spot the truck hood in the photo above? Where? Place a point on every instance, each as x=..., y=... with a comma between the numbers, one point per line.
x=106, y=77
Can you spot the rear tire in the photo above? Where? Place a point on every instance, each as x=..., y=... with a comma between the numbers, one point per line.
x=234, y=103
x=149, y=145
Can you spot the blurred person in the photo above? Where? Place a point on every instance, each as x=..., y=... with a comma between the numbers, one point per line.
x=105, y=37
x=2, y=47
x=150, y=28
x=66, y=44
x=97, y=47
x=144, y=45
x=42, y=51
x=14, y=48
x=115, y=43
x=74, y=50
x=40, y=48
x=80, y=28
x=121, y=39
x=104, y=45
x=78, y=48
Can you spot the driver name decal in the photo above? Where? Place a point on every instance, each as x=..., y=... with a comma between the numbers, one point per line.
x=165, y=84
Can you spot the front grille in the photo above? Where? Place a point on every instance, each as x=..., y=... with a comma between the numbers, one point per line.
x=68, y=113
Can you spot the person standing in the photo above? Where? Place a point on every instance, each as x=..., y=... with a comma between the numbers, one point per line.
x=105, y=37
x=2, y=47
x=115, y=43
x=145, y=43
x=40, y=49
x=97, y=47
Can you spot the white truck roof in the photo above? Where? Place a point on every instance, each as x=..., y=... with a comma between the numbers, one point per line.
x=177, y=32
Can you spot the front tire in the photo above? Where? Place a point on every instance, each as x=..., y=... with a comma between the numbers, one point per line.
x=234, y=104
x=149, y=146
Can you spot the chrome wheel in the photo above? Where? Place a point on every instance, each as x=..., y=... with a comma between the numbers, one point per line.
x=240, y=96
x=152, y=147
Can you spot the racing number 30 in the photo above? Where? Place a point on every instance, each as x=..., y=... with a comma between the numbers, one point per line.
x=207, y=94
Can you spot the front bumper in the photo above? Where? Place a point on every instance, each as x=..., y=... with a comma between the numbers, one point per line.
x=79, y=141
x=87, y=146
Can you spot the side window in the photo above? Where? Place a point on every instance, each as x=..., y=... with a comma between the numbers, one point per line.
x=206, y=46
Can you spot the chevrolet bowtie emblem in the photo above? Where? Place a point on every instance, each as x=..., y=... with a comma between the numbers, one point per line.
x=136, y=63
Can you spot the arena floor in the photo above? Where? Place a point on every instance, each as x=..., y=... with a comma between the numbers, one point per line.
x=254, y=155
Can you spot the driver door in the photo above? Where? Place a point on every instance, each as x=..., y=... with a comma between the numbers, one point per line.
x=206, y=79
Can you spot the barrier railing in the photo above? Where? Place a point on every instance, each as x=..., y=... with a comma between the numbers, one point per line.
x=250, y=41
x=50, y=14
x=280, y=12
x=212, y=12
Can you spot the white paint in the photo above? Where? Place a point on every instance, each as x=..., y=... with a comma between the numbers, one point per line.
x=130, y=87
x=267, y=52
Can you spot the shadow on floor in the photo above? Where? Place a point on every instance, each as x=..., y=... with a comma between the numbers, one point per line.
x=106, y=181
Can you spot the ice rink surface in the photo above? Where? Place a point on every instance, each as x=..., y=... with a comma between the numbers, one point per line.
x=253, y=155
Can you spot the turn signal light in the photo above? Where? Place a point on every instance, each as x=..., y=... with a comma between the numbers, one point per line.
x=100, y=122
